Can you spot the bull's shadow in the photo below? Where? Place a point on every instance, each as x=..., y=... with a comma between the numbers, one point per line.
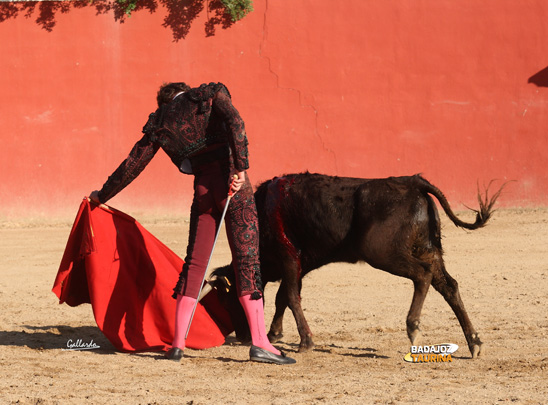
x=55, y=337
x=179, y=18
x=364, y=352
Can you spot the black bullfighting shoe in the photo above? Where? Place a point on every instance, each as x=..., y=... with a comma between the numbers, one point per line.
x=264, y=356
x=174, y=354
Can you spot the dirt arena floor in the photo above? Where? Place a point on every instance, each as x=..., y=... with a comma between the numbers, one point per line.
x=357, y=315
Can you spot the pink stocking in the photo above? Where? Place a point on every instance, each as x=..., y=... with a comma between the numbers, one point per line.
x=255, y=318
x=182, y=319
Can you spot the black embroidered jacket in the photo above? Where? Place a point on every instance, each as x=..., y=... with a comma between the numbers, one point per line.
x=193, y=122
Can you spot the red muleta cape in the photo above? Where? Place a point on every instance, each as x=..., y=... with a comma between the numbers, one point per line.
x=128, y=275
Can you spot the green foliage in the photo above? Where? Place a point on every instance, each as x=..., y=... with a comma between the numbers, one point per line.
x=127, y=6
x=237, y=9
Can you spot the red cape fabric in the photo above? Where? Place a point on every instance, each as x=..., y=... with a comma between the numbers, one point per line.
x=128, y=276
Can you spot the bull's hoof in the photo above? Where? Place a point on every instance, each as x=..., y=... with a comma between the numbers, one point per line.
x=476, y=351
x=306, y=346
x=475, y=345
x=414, y=336
x=413, y=332
x=274, y=337
x=304, y=349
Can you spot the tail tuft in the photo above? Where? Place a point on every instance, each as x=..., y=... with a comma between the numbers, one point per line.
x=484, y=212
x=486, y=204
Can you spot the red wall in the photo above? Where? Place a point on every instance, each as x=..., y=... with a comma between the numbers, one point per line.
x=359, y=88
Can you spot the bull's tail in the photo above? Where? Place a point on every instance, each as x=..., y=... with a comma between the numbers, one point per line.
x=483, y=214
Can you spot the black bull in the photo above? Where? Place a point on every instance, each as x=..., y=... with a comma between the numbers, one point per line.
x=309, y=220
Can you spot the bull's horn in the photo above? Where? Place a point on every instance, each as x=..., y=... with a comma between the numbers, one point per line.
x=207, y=288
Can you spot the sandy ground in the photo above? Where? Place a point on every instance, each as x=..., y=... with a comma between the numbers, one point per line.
x=357, y=315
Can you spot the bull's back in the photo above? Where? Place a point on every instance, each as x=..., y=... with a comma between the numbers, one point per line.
x=315, y=213
x=394, y=217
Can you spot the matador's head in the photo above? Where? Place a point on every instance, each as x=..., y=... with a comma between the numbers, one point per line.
x=169, y=90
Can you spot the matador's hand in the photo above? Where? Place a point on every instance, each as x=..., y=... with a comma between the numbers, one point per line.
x=94, y=196
x=239, y=180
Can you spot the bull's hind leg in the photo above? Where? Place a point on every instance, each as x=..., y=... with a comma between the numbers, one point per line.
x=448, y=288
x=419, y=272
x=421, y=283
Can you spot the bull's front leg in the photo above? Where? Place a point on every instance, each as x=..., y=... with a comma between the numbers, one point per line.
x=294, y=302
x=290, y=296
x=276, y=327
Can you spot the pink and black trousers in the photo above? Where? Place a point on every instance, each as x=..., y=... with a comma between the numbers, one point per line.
x=211, y=184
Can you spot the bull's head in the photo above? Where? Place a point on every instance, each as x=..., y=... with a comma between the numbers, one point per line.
x=224, y=281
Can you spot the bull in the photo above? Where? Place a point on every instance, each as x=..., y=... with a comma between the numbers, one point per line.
x=309, y=220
